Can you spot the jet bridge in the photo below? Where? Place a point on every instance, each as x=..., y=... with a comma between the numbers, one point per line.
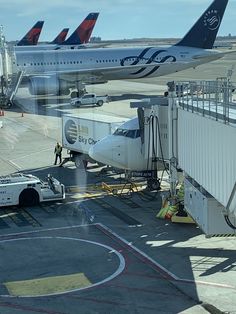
x=153, y=124
x=203, y=120
x=10, y=77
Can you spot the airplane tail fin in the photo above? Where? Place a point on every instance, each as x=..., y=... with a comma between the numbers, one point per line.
x=60, y=37
x=83, y=32
x=204, y=31
x=32, y=37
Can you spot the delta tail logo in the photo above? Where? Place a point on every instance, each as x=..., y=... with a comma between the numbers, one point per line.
x=212, y=20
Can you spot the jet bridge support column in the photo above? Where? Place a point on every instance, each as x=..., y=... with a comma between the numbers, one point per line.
x=3, y=67
x=9, y=82
x=173, y=141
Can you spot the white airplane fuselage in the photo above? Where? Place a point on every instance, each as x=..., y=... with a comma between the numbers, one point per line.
x=175, y=58
x=124, y=149
x=34, y=48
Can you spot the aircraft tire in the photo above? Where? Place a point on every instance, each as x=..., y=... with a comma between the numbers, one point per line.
x=9, y=104
x=74, y=94
x=79, y=161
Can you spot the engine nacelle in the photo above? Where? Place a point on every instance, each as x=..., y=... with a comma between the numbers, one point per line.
x=48, y=85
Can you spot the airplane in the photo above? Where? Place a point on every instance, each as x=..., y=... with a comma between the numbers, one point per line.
x=32, y=37
x=83, y=32
x=60, y=38
x=78, y=39
x=118, y=149
x=53, y=72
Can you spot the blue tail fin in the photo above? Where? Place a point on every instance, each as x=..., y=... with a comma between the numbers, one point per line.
x=204, y=31
x=32, y=37
x=83, y=32
x=60, y=37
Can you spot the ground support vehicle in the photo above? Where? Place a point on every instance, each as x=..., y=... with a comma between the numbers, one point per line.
x=89, y=99
x=26, y=190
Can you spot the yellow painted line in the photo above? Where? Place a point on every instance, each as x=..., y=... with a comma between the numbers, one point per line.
x=74, y=189
x=82, y=188
x=120, y=186
x=85, y=195
x=49, y=285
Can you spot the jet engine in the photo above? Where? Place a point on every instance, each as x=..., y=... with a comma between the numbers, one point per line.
x=48, y=85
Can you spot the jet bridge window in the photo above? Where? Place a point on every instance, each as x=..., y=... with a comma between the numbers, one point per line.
x=127, y=133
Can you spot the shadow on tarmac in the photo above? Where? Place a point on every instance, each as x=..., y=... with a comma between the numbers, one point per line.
x=56, y=107
x=164, y=241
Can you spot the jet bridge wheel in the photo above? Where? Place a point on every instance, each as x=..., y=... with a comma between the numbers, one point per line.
x=5, y=102
x=28, y=197
x=9, y=104
x=153, y=184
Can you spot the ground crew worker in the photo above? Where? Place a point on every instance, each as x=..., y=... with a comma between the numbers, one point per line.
x=57, y=152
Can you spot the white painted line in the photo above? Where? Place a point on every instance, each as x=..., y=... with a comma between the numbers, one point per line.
x=15, y=165
x=118, y=271
x=34, y=153
x=41, y=168
x=72, y=202
x=140, y=252
x=162, y=268
x=175, y=278
x=44, y=230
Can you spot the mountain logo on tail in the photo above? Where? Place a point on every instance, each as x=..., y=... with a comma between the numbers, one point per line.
x=212, y=20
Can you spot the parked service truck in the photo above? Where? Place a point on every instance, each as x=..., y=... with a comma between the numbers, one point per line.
x=26, y=189
x=89, y=99
x=80, y=132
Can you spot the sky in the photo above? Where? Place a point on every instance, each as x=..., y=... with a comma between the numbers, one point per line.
x=118, y=19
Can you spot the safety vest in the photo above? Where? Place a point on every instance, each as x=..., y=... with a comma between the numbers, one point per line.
x=58, y=149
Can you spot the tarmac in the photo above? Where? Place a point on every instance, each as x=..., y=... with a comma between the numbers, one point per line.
x=115, y=257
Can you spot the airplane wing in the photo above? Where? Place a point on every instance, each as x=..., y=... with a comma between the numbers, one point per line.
x=94, y=45
x=219, y=54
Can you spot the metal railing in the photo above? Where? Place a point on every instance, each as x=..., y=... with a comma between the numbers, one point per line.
x=213, y=99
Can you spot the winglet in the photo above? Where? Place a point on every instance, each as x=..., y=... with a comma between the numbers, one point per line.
x=83, y=32
x=32, y=37
x=204, y=31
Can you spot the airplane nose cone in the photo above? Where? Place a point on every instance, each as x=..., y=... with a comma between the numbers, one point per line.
x=101, y=152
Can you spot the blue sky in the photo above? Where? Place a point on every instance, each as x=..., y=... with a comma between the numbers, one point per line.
x=118, y=19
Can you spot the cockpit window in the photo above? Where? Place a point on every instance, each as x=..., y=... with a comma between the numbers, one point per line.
x=127, y=133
